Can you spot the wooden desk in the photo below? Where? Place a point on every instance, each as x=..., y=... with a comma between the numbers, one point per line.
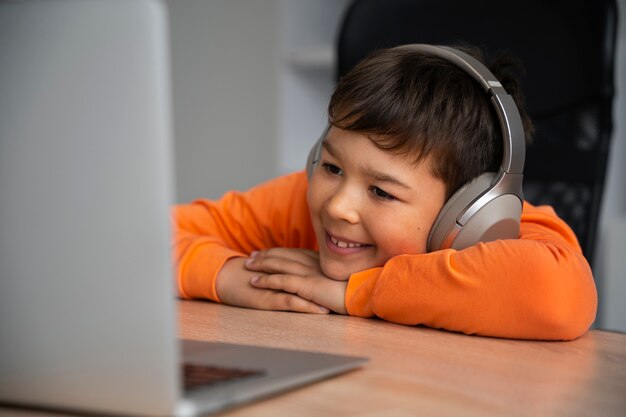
x=420, y=371
x=416, y=371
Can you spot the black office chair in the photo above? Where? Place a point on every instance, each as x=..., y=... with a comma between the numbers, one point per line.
x=567, y=49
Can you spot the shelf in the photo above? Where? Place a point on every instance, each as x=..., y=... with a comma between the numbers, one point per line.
x=312, y=58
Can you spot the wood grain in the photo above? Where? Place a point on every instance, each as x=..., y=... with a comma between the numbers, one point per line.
x=426, y=372
x=416, y=371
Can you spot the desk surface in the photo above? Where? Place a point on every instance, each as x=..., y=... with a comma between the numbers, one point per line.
x=420, y=371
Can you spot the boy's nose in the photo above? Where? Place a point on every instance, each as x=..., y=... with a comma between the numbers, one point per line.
x=343, y=206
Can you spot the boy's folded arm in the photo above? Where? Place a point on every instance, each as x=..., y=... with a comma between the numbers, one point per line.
x=208, y=233
x=537, y=287
x=197, y=261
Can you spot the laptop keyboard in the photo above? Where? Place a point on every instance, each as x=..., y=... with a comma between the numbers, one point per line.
x=196, y=375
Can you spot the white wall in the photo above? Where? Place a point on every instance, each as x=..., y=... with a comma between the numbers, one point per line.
x=610, y=268
x=306, y=75
x=251, y=81
x=225, y=88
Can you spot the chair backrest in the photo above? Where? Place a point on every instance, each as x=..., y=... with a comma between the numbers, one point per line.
x=567, y=49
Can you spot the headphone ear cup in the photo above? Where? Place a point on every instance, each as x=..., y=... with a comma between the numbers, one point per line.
x=446, y=220
x=315, y=154
x=313, y=159
x=497, y=219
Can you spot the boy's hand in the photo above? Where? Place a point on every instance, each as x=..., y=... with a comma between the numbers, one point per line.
x=297, y=271
x=234, y=288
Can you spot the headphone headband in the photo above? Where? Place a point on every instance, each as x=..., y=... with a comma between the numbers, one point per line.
x=514, y=150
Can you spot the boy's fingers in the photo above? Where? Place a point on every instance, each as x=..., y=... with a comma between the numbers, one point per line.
x=303, y=287
x=319, y=291
x=276, y=265
x=291, y=252
x=304, y=256
x=288, y=302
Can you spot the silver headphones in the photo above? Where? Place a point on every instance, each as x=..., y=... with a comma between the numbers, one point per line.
x=490, y=206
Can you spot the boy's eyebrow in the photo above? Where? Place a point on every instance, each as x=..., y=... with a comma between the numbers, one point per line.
x=377, y=175
x=382, y=177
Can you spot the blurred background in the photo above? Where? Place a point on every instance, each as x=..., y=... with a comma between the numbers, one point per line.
x=251, y=81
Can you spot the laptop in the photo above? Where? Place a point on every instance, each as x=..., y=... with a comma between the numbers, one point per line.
x=87, y=296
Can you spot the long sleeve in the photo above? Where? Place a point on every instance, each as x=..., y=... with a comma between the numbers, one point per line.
x=208, y=233
x=536, y=287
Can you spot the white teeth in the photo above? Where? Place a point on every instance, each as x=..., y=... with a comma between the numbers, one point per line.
x=342, y=244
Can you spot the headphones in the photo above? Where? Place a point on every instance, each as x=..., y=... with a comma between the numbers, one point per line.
x=490, y=206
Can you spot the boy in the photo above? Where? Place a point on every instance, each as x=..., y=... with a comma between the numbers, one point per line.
x=407, y=130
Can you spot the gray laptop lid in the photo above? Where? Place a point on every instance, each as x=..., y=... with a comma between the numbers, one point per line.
x=85, y=137
x=87, y=314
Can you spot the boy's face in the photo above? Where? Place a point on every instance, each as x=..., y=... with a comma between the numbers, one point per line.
x=368, y=205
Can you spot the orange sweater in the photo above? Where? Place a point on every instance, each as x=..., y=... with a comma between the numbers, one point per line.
x=536, y=287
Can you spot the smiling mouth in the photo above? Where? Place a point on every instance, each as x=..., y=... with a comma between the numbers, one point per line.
x=344, y=247
x=343, y=244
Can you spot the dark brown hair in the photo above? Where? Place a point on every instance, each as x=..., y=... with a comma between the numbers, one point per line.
x=418, y=106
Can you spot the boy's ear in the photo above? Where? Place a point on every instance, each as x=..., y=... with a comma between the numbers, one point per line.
x=316, y=153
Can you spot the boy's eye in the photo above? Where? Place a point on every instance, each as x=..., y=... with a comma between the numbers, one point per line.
x=332, y=169
x=382, y=194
